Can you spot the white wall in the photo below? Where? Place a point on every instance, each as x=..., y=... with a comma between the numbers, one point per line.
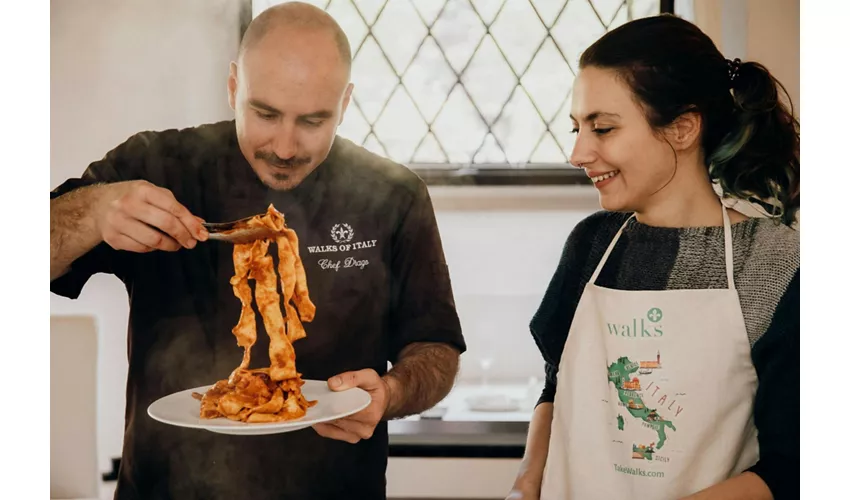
x=119, y=67
x=502, y=246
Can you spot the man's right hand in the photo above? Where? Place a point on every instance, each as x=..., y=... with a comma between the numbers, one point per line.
x=140, y=217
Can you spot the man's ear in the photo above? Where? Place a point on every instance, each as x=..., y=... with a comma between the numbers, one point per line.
x=346, y=98
x=231, y=85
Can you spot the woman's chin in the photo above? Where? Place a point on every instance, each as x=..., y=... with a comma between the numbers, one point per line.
x=613, y=203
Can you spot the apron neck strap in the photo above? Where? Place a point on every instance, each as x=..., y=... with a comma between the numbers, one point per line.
x=608, y=251
x=727, y=243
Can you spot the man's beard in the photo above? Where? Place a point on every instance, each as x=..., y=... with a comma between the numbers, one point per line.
x=282, y=179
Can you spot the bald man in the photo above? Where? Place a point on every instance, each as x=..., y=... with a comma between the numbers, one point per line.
x=370, y=246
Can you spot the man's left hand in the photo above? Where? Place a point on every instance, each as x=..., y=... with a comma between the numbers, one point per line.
x=362, y=424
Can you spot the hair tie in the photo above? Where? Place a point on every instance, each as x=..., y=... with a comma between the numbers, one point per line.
x=734, y=68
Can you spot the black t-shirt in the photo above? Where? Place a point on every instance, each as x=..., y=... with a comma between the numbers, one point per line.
x=376, y=272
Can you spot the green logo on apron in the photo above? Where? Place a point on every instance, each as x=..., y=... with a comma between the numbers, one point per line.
x=654, y=315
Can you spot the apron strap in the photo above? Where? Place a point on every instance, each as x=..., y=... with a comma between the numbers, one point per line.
x=727, y=243
x=608, y=251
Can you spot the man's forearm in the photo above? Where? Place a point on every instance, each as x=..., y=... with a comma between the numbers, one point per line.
x=73, y=231
x=422, y=377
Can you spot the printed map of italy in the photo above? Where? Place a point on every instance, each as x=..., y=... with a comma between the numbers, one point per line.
x=619, y=373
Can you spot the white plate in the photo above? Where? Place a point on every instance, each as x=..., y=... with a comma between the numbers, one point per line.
x=182, y=410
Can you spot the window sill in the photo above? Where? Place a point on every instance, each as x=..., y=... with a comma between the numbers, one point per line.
x=500, y=175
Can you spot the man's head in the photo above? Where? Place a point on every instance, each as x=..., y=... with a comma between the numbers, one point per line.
x=289, y=89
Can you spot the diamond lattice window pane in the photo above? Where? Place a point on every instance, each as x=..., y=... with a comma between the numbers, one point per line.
x=489, y=79
x=371, y=143
x=487, y=9
x=370, y=9
x=399, y=32
x=548, y=151
x=548, y=10
x=458, y=31
x=400, y=127
x=374, y=79
x=429, y=79
x=576, y=29
x=459, y=127
x=519, y=128
x=354, y=126
x=644, y=8
x=519, y=32
x=350, y=22
x=562, y=128
x=428, y=9
x=430, y=151
x=490, y=152
x=607, y=9
x=548, y=80
x=620, y=19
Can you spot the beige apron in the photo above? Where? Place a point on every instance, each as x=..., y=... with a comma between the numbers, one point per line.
x=655, y=393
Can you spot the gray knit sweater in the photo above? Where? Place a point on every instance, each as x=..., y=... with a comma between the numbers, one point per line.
x=767, y=276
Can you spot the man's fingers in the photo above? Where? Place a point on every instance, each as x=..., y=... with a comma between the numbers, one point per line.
x=165, y=222
x=165, y=200
x=123, y=242
x=365, y=379
x=333, y=432
x=343, y=381
x=359, y=429
x=144, y=234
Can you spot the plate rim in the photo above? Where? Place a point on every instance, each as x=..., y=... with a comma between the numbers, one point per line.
x=238, y=427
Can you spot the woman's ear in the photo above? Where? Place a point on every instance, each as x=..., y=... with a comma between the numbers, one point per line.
x=684, y=133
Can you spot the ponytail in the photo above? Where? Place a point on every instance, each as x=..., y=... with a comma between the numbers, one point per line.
x=760, y=155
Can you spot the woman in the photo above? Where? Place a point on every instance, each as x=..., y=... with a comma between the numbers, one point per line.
x=670, y=329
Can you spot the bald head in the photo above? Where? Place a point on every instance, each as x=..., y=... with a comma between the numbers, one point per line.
x=292, y=19
x=289, y=90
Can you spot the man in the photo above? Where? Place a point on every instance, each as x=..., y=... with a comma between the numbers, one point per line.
x=370, y=246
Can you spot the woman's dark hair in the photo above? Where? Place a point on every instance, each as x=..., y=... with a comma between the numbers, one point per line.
x=750, y=137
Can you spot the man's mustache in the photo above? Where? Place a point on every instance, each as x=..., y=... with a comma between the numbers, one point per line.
x=277, y=161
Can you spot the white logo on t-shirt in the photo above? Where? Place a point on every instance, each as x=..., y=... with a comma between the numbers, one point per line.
x=342, y=233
